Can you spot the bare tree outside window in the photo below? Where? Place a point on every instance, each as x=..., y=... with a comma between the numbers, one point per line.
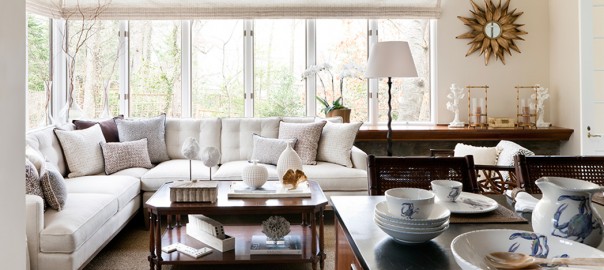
x=38, y=70
x=217, y=68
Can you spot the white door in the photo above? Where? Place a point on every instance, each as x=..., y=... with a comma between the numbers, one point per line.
x=592, y=77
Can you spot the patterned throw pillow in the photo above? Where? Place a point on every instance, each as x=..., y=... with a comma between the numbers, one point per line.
x=32, y=180
x=508, y=150
x=336, y=142
x=119, y=156
x=154, y=129
x=53, y=184
x=268, y=150
x=308, y=135
x=82, y=150
x=108, y=127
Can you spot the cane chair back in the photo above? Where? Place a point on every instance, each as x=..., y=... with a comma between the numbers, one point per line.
x=531, y=168
x=391, y=172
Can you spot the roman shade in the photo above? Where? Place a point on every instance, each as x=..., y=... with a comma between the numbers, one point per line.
x=234, y=9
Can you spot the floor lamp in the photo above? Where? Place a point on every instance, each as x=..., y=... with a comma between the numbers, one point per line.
x=390, y=59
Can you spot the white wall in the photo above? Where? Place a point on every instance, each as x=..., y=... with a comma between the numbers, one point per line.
x=564, y=70
x=527, y=68
x=12, y=140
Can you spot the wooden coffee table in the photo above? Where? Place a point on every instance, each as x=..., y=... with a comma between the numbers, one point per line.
x=312, y=233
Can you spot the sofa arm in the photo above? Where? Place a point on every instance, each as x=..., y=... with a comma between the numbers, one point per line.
x=34, y=223
x=359, y=158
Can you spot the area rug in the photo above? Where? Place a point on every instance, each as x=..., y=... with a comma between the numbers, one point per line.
x=130, y=248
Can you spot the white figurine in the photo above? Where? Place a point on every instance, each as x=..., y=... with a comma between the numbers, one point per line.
x=457, y=93
x=542, y=95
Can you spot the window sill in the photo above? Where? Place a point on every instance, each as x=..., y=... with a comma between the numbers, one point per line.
x=443, y=133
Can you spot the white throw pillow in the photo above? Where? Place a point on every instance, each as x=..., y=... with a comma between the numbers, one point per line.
x=482, y=155
x=82, y=150
x=508, y=150
x=336, y=142
x=268, y=150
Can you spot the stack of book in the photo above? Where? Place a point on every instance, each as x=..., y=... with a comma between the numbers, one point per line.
x=292, y=245
x=209, y=232
x=193, y=191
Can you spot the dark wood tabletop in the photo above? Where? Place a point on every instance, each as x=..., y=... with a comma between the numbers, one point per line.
x=378, y=251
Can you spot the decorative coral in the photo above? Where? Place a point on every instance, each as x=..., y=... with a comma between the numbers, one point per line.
x=275, y=227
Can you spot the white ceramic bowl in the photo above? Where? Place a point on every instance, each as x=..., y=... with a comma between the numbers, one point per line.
x=411, y=237
x=409, y=203
x=438, y=215
x=411, y=229
x=446, y=190
x=470, y=248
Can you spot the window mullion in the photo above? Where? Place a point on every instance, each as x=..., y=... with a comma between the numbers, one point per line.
x=248, y=66
x=311, y=59
x=186, y=68
x=372, y=39
x=124, y=75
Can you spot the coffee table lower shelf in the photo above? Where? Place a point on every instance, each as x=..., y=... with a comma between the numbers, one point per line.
x=241, y=254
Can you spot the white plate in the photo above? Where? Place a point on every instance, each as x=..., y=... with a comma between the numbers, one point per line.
x=411, y=238
x=470, y=203
x=437, y=217
x=410, y=229
x=470, y=248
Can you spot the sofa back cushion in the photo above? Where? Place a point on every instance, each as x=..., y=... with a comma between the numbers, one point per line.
x=236, y=137
x=206, y=131
x=45, y=141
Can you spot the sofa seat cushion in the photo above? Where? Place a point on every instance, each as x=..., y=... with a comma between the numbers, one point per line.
x=173, y=170
x=134, y=172
x=334, y=177
x=232, y=171
x=122, y=187
x=83, y=215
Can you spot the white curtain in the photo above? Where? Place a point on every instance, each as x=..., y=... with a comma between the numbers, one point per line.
x=235, y=9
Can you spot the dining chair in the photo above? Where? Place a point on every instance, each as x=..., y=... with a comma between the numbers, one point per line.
x=491, y=179
x=531, y=168
x=391, y=172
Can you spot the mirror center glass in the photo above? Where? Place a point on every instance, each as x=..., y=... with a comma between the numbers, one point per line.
x=492, y=29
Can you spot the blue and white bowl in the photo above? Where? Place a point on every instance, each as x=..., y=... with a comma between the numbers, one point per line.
x=438, y=215
x=469, y=249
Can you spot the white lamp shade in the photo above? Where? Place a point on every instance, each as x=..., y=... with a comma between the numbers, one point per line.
x=390, y=59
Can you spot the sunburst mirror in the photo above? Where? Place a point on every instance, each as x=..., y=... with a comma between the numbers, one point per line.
x=492, y=30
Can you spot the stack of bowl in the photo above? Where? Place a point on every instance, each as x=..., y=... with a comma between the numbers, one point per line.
x=410, y=215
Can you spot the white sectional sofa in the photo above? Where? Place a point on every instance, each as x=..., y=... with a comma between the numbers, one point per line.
x=99, y=206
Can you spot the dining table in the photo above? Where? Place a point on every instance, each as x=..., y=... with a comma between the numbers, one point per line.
x=361, y=244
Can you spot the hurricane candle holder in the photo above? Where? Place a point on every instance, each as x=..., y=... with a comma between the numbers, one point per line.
x=477, y=106
x=526, y=106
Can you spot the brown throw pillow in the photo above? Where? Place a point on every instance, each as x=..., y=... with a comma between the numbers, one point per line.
x=119, y=156
x=109, y=127
x=53, y=184
x=308, y=135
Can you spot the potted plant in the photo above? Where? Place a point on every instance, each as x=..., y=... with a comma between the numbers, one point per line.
x=336, y=108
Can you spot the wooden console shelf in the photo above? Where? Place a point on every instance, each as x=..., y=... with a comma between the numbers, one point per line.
x=444, y=133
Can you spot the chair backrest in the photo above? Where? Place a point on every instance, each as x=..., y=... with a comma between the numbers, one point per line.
x=531, y=168
x=391, y=172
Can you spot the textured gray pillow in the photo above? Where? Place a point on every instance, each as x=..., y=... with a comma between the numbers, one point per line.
x=32, y=180
x=154, y=129
x=308, y=135
x=336, y=143
x=53, y=184
x=82, y=150
x=119, y=156
x=268, y=150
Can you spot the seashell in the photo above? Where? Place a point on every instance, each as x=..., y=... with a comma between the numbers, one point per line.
x=294, y=178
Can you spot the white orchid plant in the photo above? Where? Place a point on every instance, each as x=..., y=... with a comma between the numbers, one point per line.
x=349, y=70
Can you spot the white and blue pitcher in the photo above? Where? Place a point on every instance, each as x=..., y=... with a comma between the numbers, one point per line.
x=565, y=210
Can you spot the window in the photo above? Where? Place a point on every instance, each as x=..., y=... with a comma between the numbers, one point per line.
x=217, y=68
x=343, y=45
x=155, y=68
x=410, y=96
x=39, y=81
x=95, y=46
x=279, y=60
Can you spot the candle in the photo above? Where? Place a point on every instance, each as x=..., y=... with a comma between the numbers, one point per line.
x=526, y=112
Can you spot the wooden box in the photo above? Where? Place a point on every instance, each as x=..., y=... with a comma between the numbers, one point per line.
x=193, y=191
